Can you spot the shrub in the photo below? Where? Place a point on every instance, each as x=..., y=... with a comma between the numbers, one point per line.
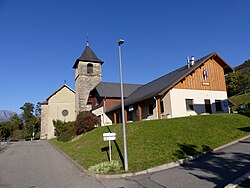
x=61, y=127
x=86, y=121
x=67, y=135
x=18, y=134
x=64, y=131
x=245, y=111
x=106, y=167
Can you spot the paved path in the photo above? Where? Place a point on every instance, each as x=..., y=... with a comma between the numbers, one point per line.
x=38, y=164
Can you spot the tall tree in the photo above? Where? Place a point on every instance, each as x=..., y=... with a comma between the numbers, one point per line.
x=27, y=115
x=38, y=109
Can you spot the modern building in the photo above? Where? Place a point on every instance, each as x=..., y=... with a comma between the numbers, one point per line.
x=196, y=88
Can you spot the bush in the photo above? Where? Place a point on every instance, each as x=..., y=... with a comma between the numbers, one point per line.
x=64, y=131
x=245, y=111
x=67, y=135
x=18, y=134
x=86, y=121
x=61, y=127
x=106, y=167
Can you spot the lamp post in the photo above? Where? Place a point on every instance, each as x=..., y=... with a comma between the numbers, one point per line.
x=123, y=118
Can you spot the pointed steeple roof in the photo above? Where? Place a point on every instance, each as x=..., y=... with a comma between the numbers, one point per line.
x=88, y=56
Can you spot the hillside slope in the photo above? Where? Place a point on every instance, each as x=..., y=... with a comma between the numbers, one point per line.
x=156, y=142
x=240, y=99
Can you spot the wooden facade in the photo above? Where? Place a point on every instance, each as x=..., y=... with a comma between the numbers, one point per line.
x=215, y=79
x=208, y=77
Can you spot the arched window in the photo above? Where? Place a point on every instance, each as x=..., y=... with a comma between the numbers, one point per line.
x=89, y=68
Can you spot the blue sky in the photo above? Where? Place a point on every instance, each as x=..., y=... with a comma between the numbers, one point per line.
x=41, y=39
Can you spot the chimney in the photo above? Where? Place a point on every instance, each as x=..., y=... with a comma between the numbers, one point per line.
x=188, y=62
x=192, y=61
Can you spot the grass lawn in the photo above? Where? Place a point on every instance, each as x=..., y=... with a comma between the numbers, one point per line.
x=240, y=99
x=156, y=142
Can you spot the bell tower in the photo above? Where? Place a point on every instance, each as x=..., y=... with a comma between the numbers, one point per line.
x=88, y=73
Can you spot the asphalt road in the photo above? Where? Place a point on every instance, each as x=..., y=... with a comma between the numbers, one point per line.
x=3, y=145
x=38, y=164
x=214, y=170
x=245, y=184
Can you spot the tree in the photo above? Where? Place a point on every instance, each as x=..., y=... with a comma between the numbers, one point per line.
x=38, y=109
x=5, y=129
x=28, y=118
x=27, y=115
x=237, y=82
x=17, y=129
x=16, y=122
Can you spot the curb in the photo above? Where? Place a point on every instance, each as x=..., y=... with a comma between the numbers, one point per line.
x=5, y=148
x=79, y=167
x=238, y=181
x=154, y=169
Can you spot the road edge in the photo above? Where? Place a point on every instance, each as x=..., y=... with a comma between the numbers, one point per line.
x=154, y=169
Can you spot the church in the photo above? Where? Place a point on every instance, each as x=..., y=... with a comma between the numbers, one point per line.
x=197, y=88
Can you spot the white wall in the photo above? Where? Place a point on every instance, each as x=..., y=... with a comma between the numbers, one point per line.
x=104, y=118
x=167, y=106
x=175, y=100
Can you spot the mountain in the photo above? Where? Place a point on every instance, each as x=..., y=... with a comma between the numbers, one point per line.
x=5, y=115
x=244, y=67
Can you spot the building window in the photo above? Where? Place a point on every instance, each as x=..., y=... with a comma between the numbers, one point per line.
x=89, y=68
x=218, y=105
x=151, y=109
x=65, y=113
x=189, y=104
x=162, y=107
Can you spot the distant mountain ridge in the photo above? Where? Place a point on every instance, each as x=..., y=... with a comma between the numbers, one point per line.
x=5, y=115
x=244, y=67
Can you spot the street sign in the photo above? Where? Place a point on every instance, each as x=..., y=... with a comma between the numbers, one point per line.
x=109, y=136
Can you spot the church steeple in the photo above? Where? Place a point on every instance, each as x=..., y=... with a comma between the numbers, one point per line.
x=88, y=73
x=87, y=56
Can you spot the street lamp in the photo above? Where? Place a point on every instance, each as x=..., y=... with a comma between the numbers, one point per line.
x=123, y=118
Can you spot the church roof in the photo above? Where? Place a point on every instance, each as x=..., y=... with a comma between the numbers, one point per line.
x=161, y=85
x=64, y=85
x=113, y=90
x=88, y=56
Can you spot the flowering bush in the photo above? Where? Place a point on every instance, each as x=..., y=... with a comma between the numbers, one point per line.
x=106, y=167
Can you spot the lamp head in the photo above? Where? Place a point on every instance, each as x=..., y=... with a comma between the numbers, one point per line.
x=121, y=41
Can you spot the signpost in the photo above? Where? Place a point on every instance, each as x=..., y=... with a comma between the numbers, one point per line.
x=109, y=137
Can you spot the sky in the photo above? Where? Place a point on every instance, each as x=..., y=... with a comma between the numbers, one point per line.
x=41, y=39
